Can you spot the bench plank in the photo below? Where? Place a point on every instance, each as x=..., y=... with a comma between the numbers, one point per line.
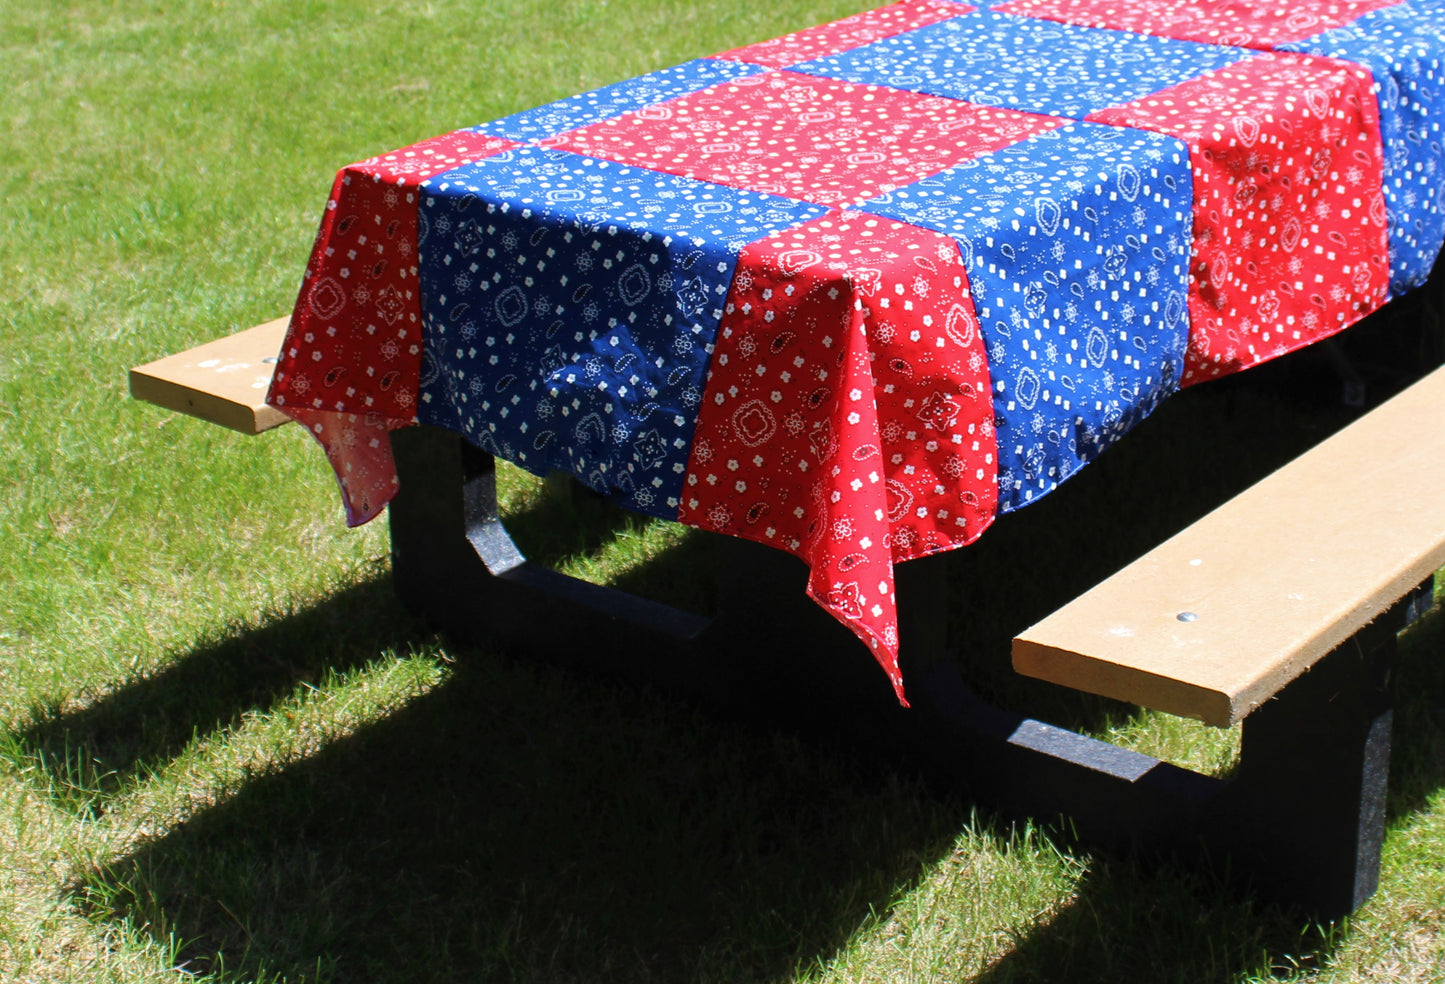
x=1275, y=578
x=223, y=381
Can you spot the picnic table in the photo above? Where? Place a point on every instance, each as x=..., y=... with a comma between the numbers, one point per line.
x=849, y=295
x=854, y=292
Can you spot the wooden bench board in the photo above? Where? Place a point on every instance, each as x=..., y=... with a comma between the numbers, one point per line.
x=223, y=381
x=1276, y=578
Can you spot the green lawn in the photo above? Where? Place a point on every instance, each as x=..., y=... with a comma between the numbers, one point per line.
x=227, y=754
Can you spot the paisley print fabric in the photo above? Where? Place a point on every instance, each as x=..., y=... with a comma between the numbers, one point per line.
x=1076, y=247
x=1286, y=159
x=614, y=100
x=810, y=138
x=1049, y=68
x=850, y=32
x=1400, y=46
x=855, y=291
x=847, y=416
x=350, y=368
x=1242, y=23
x=571, y=306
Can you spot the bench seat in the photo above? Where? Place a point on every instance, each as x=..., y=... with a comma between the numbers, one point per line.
x=223, y=381
x=1216, y=620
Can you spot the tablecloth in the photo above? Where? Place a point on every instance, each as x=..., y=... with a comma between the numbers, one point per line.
x=856, y=291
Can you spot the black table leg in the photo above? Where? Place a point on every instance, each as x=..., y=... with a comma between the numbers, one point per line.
x=454, y=563
x=1306, y=810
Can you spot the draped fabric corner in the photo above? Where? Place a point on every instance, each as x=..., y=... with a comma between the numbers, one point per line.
x=856, y=291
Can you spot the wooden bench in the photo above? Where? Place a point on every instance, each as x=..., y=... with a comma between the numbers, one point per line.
x=223, y=381
x=1216, y=620
x=1279, y=610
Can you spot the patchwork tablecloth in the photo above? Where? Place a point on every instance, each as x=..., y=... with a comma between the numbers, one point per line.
x=856, y=291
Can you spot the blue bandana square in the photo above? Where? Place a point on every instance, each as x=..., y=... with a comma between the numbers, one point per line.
x=1076, y=243
x=614, y=100
x=571, y=306
x=1027, y=64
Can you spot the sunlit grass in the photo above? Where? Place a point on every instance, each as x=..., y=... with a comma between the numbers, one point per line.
x=227, y=753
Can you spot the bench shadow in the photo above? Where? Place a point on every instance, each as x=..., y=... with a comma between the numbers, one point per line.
x=89, y=753
x=1138, y=919
x=1417, y=755
x=517, y=822
x=1131, y=921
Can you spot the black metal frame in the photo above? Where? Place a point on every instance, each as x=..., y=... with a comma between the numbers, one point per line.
x=1301, y=818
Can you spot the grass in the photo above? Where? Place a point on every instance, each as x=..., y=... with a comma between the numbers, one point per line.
x=228, y=755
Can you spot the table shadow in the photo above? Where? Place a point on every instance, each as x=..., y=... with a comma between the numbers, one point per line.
x=88, y=753
x=1142, y=919
x=519, y=823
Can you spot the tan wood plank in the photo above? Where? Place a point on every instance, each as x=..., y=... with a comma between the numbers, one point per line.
x=1275, y=578
x=223, y=381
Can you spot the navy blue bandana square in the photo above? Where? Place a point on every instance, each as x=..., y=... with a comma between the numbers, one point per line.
x=1075, y=242
x=571, y=307
x=1034, y=66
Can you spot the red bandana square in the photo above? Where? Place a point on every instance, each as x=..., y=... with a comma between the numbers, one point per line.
x=847, y=417
x=1289, y=219
x=814, y=139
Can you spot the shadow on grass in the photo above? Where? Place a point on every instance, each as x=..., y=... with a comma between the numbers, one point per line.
x=1417, y=760
x=1133, y=919
x=517, y=823
x=1130, y=921
x=142, y=725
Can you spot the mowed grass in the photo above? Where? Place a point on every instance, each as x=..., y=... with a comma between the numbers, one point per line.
x=227, y=754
